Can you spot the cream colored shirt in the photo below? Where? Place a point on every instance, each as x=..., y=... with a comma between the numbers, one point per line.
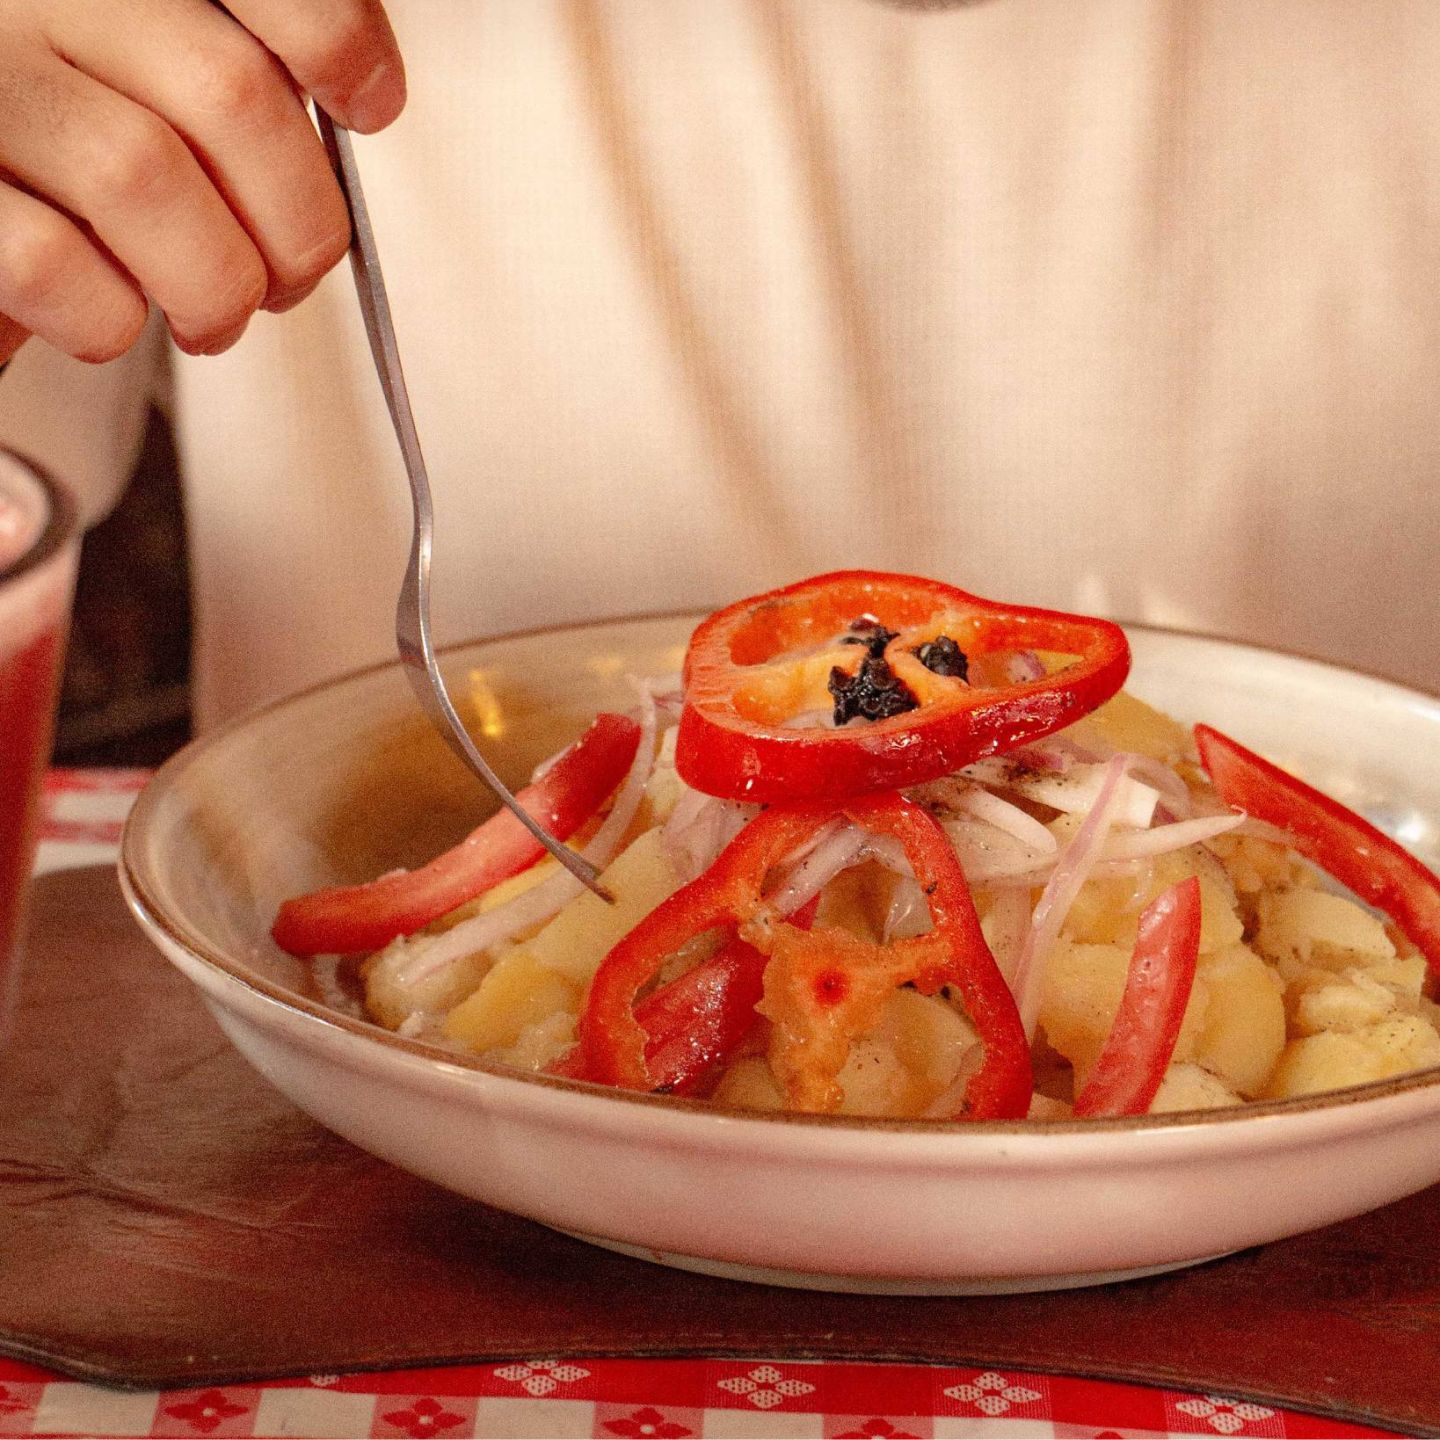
x=1130, y=306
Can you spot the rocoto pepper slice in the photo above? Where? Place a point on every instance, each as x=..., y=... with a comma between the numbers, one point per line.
x=755, y=666
x=695, y=1024
x=823, y=987
x=1380, y=871
x=347, y=919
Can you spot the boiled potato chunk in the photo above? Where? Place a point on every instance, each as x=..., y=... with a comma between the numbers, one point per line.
x=1334, y=1059
x=391, y=995
x=550, y=971
x=1257, y=866
x=520, y=991
x=1125, y=723
x=1081, y=993
x=1315, y=927
x=1242, y=1031
x=1234, y=1023
x=913, y=1054
x=750, y=1084
x=875, y=1081
x=575, y=942
x=1350, y=1001
x=930, y=1036
x=539, y=1044
x=1191, y=1087
x=909, y=1059
x=1107, y=909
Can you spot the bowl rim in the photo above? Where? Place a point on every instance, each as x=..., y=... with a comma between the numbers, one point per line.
x=142, y=895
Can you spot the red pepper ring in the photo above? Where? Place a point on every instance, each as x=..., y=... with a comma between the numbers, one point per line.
x=755, y=665
x=695, y=1024
x=1343, y=844
x=822, y=986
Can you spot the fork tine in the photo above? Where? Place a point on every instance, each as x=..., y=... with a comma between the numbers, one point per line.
x=412, y=610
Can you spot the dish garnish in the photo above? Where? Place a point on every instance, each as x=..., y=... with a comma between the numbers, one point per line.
x=886, y=848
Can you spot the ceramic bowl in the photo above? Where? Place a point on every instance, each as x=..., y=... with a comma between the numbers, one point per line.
x=345, y=782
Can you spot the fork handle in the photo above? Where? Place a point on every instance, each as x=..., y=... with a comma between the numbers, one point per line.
x=412, y=622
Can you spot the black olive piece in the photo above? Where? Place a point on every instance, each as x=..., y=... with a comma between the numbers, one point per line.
x=944, y=657
x=874, y=692
x=873, y=637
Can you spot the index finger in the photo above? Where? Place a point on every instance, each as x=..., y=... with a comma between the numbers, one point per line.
x=342, y=52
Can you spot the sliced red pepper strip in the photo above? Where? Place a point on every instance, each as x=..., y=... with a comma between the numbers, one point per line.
x=349, y=919
x=695, y=1025
x=755, y=665
x=821, y=987
x=1137, y=1051
x=1367, y=861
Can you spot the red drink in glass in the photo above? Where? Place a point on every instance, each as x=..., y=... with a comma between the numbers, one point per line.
x=37, y=571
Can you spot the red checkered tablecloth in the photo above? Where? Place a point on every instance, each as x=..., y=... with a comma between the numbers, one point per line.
x=554, y=1396
x=659, y=1398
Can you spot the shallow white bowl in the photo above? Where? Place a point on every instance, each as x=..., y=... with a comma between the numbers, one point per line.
x=344, y=782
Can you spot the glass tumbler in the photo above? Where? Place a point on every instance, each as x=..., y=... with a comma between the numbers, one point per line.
x=38, y=547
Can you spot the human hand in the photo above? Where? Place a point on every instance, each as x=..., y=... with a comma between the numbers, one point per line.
x=159, y=150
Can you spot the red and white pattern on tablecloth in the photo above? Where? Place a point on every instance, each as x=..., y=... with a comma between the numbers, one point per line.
x=649, y=1400
x=1215, y=1415
x=82, y=813
x=542, y=1377
x=995, y=1394
x=766, y=1387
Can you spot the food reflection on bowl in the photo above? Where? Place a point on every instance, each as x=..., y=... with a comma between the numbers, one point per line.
x=344, y=783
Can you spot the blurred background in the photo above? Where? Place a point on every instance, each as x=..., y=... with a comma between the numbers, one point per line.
x=125, y=696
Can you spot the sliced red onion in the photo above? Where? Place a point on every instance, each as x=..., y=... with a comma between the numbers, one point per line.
x=1071, y=870
x=984, y=805
x=1162, y=839
x=543, y=901
x=1118, y=854
x=699, y=828
x=1005, y=928
x=887, y=850
x=1162, y=778
x=909, y=912
x=1092, y=753
x=838, y=846
x=1264, y=830
x=1078, y=790
x=1042, y=756
x=1024, y=665
x=988, y=855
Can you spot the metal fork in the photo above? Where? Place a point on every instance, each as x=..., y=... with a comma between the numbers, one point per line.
x=412, y=610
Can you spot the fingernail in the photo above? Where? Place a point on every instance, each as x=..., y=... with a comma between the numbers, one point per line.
x=379, y=100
